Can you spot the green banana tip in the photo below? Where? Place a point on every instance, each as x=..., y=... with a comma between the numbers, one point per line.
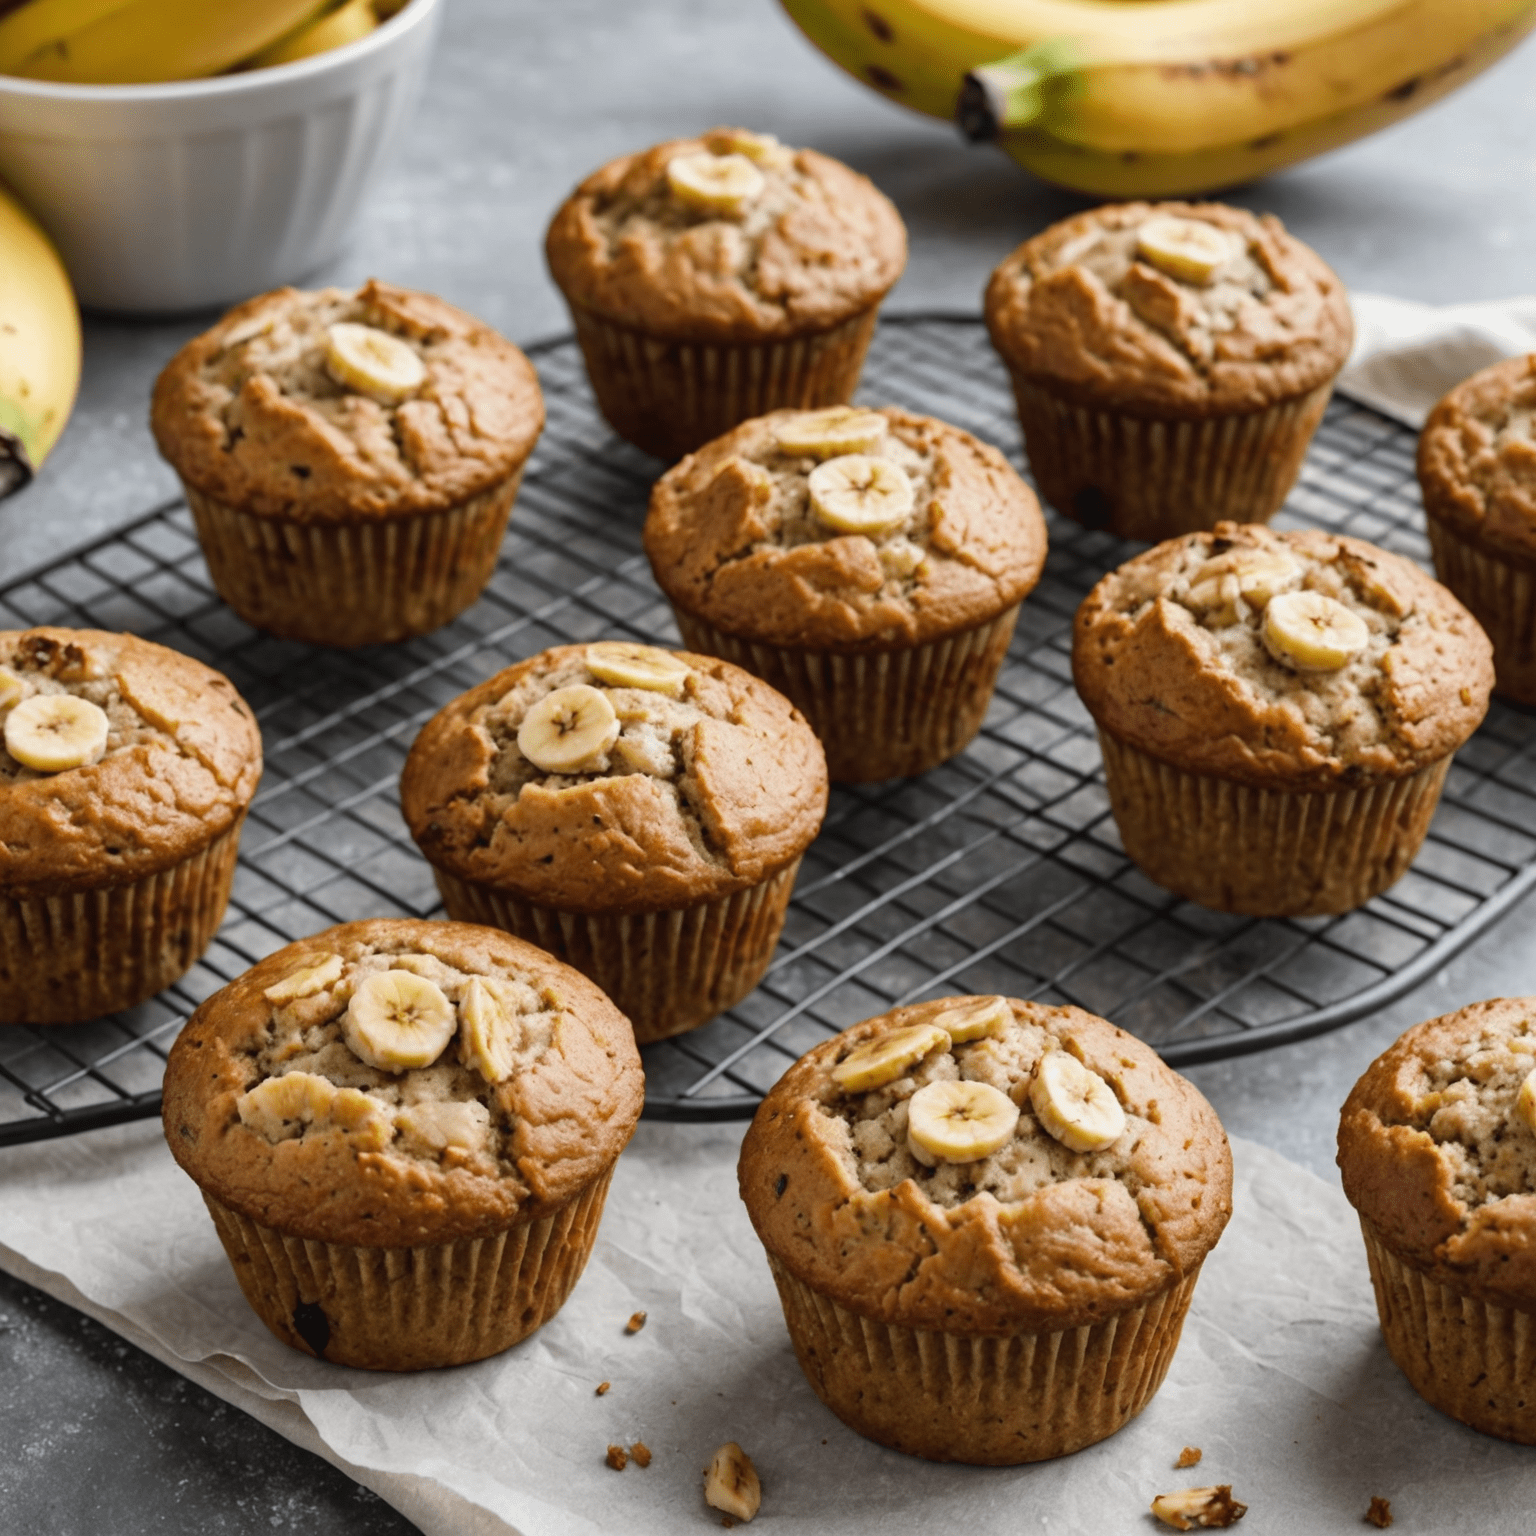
x=1013, y=92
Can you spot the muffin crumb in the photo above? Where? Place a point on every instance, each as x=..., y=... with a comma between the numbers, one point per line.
x=640, y=1453
x=635, y=1323
x=1189, y=1457
x=1205, y=1508
x=1379, y=1514
x=617, y=1457
x=602, y=1388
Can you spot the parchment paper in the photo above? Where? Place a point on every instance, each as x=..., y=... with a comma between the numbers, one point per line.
x=1281, y=1377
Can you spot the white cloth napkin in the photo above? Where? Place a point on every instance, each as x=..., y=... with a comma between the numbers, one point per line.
x=1281, y=1378
x=1407, y=355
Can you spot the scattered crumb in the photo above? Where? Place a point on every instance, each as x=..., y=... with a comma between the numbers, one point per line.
x=823, y=1442
x=641, y=1453
x=1188, y=1457
x=602, y=1387
x=618, y=1457
x=1207, y=1508
x=635, y=1323
x=726, y=1521
x=1379, y=1514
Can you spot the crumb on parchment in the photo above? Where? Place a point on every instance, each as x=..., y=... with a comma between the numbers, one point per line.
x=602, y=1387
x=1379, y=1514
x=1189, y=1457
x=640, y=1454
x=635, y=1323
x=1189, y=1509
x=617, y=1458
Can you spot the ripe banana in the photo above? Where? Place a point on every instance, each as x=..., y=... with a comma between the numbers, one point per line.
x=622, y=664
x=39, y=345
x=887, y=1057
x=715, y=183
x=978, y=1018
x=1311, y=632
x=570, y=730
x=959, y=1122
x=829, y=433
x=859, y=494
x=1074, y=1104
x=372, y=362
x=398, y=1020
x=487, y=1037
x=305, y=982
x=1125, y=98
x=346, y=23
x=52, y=732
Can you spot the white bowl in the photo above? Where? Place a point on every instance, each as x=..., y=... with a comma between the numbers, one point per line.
x=196, y=193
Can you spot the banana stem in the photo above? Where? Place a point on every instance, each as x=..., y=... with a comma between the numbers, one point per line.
x=1015, y=91
x=15, y=463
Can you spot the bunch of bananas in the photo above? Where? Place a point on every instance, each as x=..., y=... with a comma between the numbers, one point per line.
x=127, y=42
x=1162, y=98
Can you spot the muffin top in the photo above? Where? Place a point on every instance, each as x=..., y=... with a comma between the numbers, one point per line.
x=1082, y=1176
x=1303, y=658
x=1195, y=309
x=845, y=528
x=395, y=1082
x=616, y=778
x=727, y=237
x=1477, y=458
x=1437, y=1148
x=118, y=759
x=333, y=406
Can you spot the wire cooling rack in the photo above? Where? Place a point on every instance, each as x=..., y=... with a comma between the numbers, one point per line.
x=999, y=872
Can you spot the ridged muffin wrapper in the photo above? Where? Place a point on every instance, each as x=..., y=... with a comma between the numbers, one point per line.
x=1152, y=478
x=365, y=581
x=879, y=714
x=668, y=971
x=1267, y=852
x=670, y=397
x=1501, y=596
x=991, y=1400
x=67, y=958
x=1468, y=1358
x=412, y=1309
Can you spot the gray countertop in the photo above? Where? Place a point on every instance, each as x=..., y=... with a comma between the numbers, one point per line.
x=522, y=101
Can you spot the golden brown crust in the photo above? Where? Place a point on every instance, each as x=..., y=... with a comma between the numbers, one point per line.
x=180, y=768
x=247, y=413
x=740, y=797
x=1433, y=1154
x=716, y=539
x=1074, y=310
x=1477, y=460
x=560, y=1123
x=1213, y=700
x=1113, y=1230
x=819, y=245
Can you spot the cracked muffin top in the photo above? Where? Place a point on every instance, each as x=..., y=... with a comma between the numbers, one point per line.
x=1302, y=658
x=118, y=758
x=614, y=777
x=330, y=406
x=727, y=237
x=1437, y=1149
x=986, y=1165
x=845, y=527
x=395, y=1082
x=1195, y=309
x=1477, y=458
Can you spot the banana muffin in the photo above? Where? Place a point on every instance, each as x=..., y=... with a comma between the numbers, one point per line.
x=985, y=1218
x=869, y=564
x=350, y=459
x=404, y=1133
x=1477, y=470
x=640, y=813
x=1277, y=713
x=716, y=278
x=1437, y=1149
x=1170, y=361
x=125, y=773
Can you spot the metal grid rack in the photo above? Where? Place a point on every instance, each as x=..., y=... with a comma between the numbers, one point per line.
x=998, y=872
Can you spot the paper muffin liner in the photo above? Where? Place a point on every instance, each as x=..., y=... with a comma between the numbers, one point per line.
x=879, y=714
x=411, y=1309
x=991, y=1400
x=64, y=959
x=669, y=971
x=1501, y=596
x=1266, y=852
x=361, y=582
x=1153, y=478
x=670, y=397
x=1468, y=1358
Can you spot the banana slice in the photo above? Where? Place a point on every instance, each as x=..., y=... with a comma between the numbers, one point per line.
x=287, y=1106
x=888, y=1057
x=569, y=730
x=731, y=1484
x=437, y=1124
x=838, y=429
x=959, y=1122
x=11, y=688
x=637, y=666
x=54, y=731
x=763, y=148
x=305, y=982
x=1188, y=249
x=1255, y=575
x=487, y=1038
x=1075, y=1105
x=715, y=183
x=976, y=1019
x=1525, y=1101
x=373, y=363
x=398, y=1020
x=858, y=494
x=1312, y=632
